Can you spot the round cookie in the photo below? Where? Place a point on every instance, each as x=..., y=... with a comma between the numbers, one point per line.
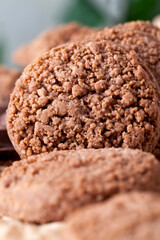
x=49, y=39
x=125, y=217
x=84, y=95
x=50, y=186
x=8, y=78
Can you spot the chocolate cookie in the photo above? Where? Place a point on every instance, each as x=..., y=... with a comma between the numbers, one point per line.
x=49, y=39
x=8, y=78
x=141, y=26
x=124, y=217
x=50, y=186
x=84, y=95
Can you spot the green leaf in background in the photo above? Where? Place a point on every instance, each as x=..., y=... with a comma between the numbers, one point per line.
x=143, y=9
x=156, y=10
x=109, y=12
x=84, y=12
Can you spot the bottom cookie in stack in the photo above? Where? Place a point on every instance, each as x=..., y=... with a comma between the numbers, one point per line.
x=48, y=187
x=127, y=216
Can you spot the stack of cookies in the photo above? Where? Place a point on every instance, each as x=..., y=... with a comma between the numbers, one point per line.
x=84, y=118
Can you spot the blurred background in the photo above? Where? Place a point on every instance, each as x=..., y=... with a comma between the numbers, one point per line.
x=23, y=20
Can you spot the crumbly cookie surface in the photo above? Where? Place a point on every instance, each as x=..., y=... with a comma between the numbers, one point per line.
x=141, y=26
x=49, y=39
x=127, y=216
x=8, y=78
x=143, y=43
x=50, y=186
x=84, y=95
